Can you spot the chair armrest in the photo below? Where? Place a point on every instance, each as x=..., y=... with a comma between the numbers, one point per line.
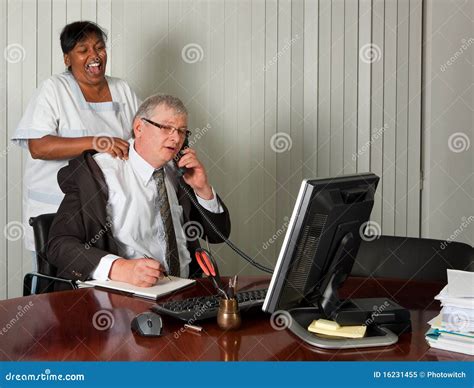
x=27, y=281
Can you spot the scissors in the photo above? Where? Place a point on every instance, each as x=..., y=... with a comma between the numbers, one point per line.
x=209, y=267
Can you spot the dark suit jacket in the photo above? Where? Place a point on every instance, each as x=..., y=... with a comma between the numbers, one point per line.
x=81, y=234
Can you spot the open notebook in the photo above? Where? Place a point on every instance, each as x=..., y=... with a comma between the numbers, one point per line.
x=164, y=287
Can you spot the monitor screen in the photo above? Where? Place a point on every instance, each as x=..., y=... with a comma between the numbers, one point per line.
x=321, y=242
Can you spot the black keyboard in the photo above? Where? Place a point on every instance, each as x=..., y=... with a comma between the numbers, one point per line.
x=204, y=307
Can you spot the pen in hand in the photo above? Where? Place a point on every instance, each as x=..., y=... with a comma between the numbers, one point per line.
x=164, y=272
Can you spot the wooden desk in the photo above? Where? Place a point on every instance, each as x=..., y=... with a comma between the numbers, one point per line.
x=67, y=326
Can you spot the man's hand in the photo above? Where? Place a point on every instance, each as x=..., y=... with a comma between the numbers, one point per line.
x=140, y=272
x=196, y=175
x=114, y=146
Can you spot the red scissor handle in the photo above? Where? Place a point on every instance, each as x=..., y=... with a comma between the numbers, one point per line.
x=205, y=263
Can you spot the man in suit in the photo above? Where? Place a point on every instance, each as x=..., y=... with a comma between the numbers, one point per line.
x=125, y=220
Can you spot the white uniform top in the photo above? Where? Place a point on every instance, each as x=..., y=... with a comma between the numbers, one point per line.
x=59, y=108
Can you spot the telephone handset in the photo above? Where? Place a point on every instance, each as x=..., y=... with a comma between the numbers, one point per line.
x=179, y=155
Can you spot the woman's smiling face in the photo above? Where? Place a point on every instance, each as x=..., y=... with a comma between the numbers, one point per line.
x=88, y=60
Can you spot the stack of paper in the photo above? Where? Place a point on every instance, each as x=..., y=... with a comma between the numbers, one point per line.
x=453, y=328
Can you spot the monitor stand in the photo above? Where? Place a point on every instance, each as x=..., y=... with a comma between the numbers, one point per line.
x=324, y=302
x=300, y=318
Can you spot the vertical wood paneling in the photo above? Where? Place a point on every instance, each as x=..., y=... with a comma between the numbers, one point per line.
x=289, y=66
x=4, y=149
x=14, y=162
x=89, y=10
x=284, y=102
x=270, y=117
x=117, y=51
x=414, y=119
x=58, y=21
x=73, y=11
x=296, y=108
x=45, y=41
x=247, y=165
x=402, y=116
x=337, y=89
x=390, y=111
x=377, y=104
x=215, y=139
x=132, y=45
x=310, y=98
x=324, y=89
x=104, y=19
x=231, y=87
x=351, y=55
x=258, y=217
x=363, y=118
x=153, y=57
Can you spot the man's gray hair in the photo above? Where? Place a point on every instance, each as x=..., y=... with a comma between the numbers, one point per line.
x=148, y=106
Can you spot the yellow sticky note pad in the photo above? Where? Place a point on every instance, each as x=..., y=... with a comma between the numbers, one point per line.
x=331, y=328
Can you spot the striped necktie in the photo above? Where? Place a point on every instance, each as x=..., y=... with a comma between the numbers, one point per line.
x=162, y=204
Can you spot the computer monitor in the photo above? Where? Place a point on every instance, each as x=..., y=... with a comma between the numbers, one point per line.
x=321, y=243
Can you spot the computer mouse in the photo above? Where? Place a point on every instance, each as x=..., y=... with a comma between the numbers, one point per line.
x=147, y=324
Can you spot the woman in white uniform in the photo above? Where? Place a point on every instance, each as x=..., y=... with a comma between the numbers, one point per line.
x=69, y=113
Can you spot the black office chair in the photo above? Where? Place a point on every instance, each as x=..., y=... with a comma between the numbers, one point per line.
x=46, y=272
x=412, y=258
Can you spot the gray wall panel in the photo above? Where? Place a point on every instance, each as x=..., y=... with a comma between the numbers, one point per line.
x=278, y=91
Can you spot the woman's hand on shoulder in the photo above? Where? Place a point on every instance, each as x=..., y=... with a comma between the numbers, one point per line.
x=114, y=146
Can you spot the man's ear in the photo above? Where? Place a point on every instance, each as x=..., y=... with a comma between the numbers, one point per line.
x=137, y=127
x=67, y=61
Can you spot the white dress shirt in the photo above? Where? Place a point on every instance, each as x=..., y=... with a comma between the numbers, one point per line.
x=136, y=224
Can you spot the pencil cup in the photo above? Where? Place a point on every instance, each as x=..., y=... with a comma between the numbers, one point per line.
x=228, y=316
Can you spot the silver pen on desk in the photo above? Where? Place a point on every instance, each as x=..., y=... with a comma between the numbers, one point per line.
x=164, y=272
x=193, y=327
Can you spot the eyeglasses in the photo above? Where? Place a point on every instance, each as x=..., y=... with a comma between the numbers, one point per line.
x=168, y=129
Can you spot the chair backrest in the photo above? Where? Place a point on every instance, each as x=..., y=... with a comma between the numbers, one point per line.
x=41, y=225
x=412, y=258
